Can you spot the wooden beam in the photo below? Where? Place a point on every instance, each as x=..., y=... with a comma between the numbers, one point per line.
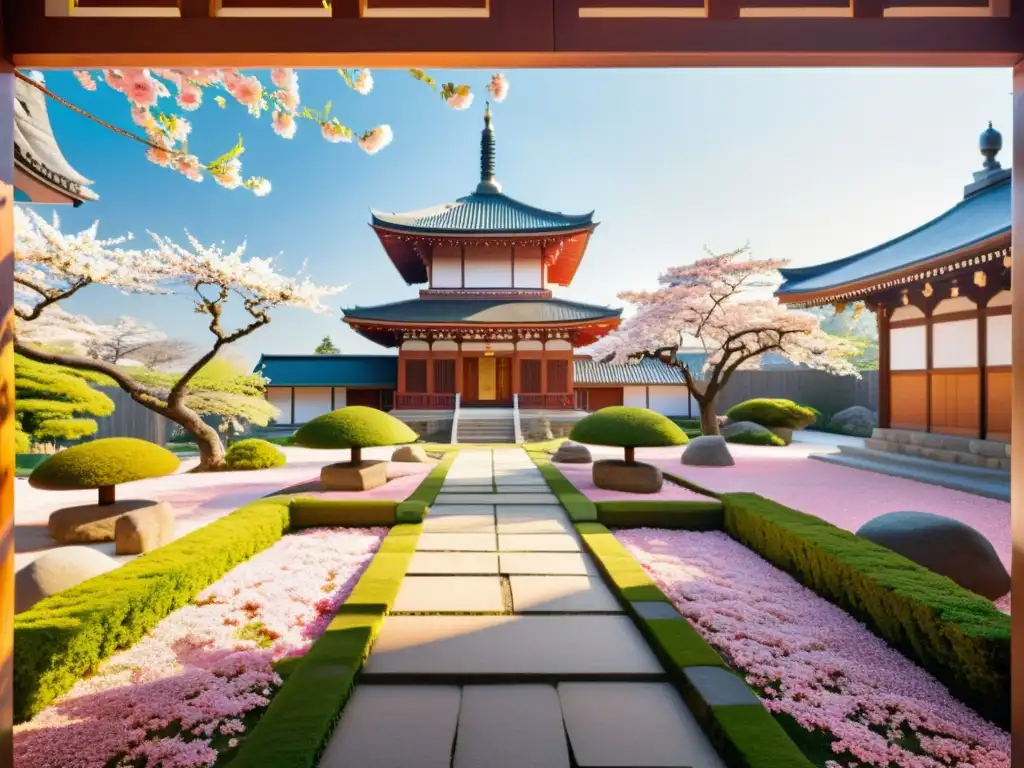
x=1017, y=455
x=7, y=463
x=884, y=367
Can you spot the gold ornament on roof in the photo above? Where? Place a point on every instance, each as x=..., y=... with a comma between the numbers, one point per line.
x=840, y=307
x=904, y=299
x=927, y=290
x=954, y=291
x=980, y=279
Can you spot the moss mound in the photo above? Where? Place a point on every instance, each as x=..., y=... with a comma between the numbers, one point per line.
x=253, y=454
x=625, y=427
x=756, y=438
x=106, y=462
x=356, y=426
x=773, y=412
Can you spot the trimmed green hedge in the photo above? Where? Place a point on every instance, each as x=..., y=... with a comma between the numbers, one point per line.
x=64, y=637
x=773, y=412
x=415, y=508
x=686, y=515
x=626, y=427
x=579, y=508
x=756, y=438
x=313, y=513
x=297, y=725
x=958, y=636
x=104, y=462
x=253, y=453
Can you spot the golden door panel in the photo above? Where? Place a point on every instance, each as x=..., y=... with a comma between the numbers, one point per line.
x=908, y=401
x=486, y=386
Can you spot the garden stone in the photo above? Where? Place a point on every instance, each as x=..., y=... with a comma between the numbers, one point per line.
x=707, y=451
x=144, y=530
x=719, y=687
x=739, y=430
x=572, y=453
x=56, y=571
x=412, y=454
x=943, y=545
x=354, y=477
x=90, y=522
x=783, y=433
x=614, y=475
x=856, y=420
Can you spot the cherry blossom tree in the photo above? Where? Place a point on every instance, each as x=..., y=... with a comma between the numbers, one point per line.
x=167, y=132
x=51, y=266
x=122, y=340
x=716, y=301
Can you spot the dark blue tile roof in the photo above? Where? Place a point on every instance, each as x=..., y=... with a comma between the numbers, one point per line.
x=976, y=219
x=373, y=371
x=483, y=213
x=486, y=311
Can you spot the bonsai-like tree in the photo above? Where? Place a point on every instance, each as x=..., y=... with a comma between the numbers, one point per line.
x=103, y=464
x=711, y=300
x=628, y=428
x=52, y=402
x=122, y=340
x=355, y=427
x=326, y=347
x=51, y=266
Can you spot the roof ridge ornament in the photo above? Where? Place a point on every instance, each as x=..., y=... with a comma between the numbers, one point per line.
x=487, y=185
x=992, y=172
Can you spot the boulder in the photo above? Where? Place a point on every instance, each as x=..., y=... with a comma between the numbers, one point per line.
x=145, y=529
x=749, y=433
x=857, y=421
x=785, y=434
x=572, y=453
x=354, y=477
x=943, y=545
x=90, y=522
x=55, y=571
x=410, y=454
x=707, y=451
x=614, y=475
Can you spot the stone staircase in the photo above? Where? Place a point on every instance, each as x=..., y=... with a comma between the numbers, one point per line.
x=486, y=425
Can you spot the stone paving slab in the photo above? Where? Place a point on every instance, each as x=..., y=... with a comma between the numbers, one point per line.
x=539, y=519
x=504, y=498
x=510, y=726
x=425, y=717
x=456, y=542
x=546, y=564
x=476, y=563
x=436, y=523
x=557, y=594
x=449, y=594
x=642, y=725
x=511, y=645
x=443, y=508
x=447, y=489
x=537, y=542
x=462, y=481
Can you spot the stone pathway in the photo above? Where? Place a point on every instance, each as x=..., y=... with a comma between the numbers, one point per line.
x=506, y=648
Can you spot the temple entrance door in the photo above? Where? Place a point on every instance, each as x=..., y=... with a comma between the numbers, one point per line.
x=487, y=389
x=503, y=376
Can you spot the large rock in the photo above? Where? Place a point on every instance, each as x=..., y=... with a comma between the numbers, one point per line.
x=856, y=420
x=572, y=453
x=707, y=451
x=741, y=431
x=145, y=529
x=942, y=545
x=56, y=571
x=410, y=454
x=90, y=522
x=614, y=475
x=354, y=477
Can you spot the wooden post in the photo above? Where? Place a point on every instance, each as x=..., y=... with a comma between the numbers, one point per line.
x=458, y=368
x=1017, y=435
x=884, y=368
x=982, y=365
x=430, y=371
x=517, y=380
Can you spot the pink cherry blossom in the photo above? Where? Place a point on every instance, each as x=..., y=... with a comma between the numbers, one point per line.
x=142, y=117
x=362, y=81
x=498, y=87
x=85, y=80
x=813, y=661
x=335, y=132
x=173, y=698
x=230, y=175
x=160, y=157
x=190, y=97
x=247, y=91
x=114, y=79
x=260, y=187
x=283, y=124
x=374, y=141
x=287, y=100
x=189, y=167
x=284, y=78
x=140, y=88
x=460, y=101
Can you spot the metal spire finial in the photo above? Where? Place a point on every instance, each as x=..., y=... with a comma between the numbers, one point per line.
x=487, y=185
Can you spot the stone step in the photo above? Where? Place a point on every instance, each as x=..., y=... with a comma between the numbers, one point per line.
x=992, y=484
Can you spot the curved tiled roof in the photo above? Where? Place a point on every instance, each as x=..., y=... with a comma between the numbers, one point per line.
x=483, y=311
x=646, y=371
x=976, y=219
x=488, y=213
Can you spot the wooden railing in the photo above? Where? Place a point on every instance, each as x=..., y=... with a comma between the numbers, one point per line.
x=408, y=401
x=561, y=401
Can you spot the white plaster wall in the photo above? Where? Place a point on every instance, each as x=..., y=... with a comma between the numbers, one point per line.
x=998, y=336
x=634, y=397
x=415, y=346
x=530, y=345
x=340, y=397
x=527, y=268
x=907, y=349
x=281, y=398
x=446, y=268
x=905, y=313
x=480, y=346
x=671, y=400
x=311, y=402
x=959, y=304
x=446, y=346
x=955, y=345
x=1001, y=299
x=488, y=266
x=558, y=345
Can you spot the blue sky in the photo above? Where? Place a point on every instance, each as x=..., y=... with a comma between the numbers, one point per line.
x=806, y=165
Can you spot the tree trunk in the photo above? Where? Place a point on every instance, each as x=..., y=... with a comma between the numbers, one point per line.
x=211, y=450
x=630, y=455
x=708, y=417
x=107, y=495
x=357, y=455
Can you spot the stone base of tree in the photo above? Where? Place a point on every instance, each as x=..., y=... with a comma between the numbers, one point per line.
x=410, y=454
x=91, y=522
x=56, y=571
x=144, y=529
x=354, y=477
x=614, y=475
x=783, y=433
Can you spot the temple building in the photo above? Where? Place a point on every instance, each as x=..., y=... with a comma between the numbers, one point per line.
x=485, y=330
x=941, y=294
x=42, y=175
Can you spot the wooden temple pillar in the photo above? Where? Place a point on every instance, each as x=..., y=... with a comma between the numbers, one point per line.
x=1017, y=416
x=884, y=367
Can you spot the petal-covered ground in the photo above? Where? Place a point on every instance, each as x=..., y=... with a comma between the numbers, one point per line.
x=181, y=695
x=813, y=661
x=581, y=475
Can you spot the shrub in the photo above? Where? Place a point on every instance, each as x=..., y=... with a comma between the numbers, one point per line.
x=316, y=513
x=579, y=508
x=773, y=412
x=22, y=444
x=685, y=515
x=103, y=464
x=628, y=428
x=355, y=427
x=50, y=401
x=63, y=637
x=253, y=454
x=958, y=636
x=755, y=438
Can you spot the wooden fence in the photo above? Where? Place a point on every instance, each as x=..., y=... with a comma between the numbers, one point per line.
x=133, y=420
x=829, y=394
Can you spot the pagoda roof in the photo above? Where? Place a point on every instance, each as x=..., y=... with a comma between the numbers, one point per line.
x=483, y=312
x=37, y=155
x=488, y=213
x=372, y=371
x=981, y=220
